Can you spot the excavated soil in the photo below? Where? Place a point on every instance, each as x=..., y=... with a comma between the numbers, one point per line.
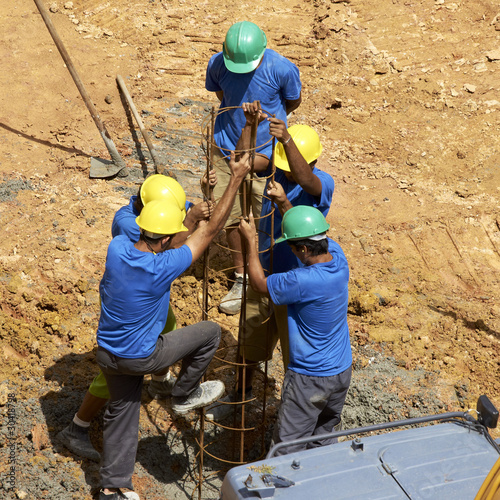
x=405, y=97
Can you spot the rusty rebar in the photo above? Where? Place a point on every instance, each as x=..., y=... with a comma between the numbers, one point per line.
x=241, y=367
x=460, y=254
x=204, y=314
x=418, y=249
x=270, y=307
x=490, y=238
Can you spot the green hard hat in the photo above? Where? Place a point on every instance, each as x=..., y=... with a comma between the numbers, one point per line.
x=244, y=47
x=302, y=222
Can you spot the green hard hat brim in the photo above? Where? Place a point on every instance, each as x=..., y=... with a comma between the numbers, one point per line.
x=241, y=67
x=286, y=238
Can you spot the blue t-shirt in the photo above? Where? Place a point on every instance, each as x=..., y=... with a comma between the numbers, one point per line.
x=135, y=294
x=124, y=220
x=283, y=258
x=273, y=82
x=316, y=297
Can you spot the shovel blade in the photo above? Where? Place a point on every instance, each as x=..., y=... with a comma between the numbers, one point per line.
x=104, y=169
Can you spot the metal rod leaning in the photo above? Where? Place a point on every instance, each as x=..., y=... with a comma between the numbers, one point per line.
x=152, y=150
x=204, y=314
x=113, y=152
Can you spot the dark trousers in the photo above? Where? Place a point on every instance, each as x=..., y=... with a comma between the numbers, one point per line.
x=310, y=406
x=195, y=345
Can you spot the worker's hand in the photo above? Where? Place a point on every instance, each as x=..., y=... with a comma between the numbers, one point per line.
x=199, y=212
x=247, y=228
x=276, y=192
x=277, y=128
x=240, y=168
x=212, y=180
x=253, y=112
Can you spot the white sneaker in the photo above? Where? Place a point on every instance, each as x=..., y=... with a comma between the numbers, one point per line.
x=231, y=303
x=206, y=393
x=119, y=495
x=219, y=411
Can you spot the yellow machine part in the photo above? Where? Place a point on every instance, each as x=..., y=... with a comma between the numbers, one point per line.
x=490, y=489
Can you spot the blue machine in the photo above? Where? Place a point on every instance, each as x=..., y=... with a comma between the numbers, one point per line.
x=448, y=459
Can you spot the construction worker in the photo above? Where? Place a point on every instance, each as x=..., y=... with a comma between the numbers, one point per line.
x=316, y=297
x=75, y=436
x=245, y=71
x=297, y=182
x=159, y=187
x=135, y=292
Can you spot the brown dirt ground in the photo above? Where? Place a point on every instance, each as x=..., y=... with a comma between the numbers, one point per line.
x=405, y=97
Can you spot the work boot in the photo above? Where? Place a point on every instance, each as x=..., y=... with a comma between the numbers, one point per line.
x=76, y=439
x=219, y=411
x=206, y=393
x=119, y=495
x=162, y=389
x=231, y=303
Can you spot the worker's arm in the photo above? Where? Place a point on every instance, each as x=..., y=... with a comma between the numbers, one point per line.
x=204, y=235
x=292, y=105
x=179, y=239
x=301, y=170
x=253, y=114
x=197, y=213
x=277, y=194
x=219, y=94
x=258, y=280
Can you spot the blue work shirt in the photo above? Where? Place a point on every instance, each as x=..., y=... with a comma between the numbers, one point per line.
x=283, y=258
x=135, y=295
x=273, y=82
x=316, y=297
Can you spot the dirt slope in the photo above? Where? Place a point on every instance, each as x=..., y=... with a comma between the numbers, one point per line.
x=405, y=96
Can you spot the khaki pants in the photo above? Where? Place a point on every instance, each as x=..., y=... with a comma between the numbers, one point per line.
x=220, y=164
x=263, y=329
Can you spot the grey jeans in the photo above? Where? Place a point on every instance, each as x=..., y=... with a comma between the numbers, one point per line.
x=195, y=345
x=310, y=406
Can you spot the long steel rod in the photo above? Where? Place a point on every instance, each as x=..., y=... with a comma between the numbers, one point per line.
x=206, y=262
x=138, y=119
x=270, y=306
x=115, y=156
x=253, y=145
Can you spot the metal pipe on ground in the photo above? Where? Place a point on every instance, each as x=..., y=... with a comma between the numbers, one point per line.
x=152, y=150
x=99, y=168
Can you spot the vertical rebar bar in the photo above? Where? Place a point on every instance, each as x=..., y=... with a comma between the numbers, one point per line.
x=253, y=144
x=208, y=194
x=270, y=306
x=246, y=207
x=245, y=196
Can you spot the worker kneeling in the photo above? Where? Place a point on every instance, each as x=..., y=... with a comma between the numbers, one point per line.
x=316, y=295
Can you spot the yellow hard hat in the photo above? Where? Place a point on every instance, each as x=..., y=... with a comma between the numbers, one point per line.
x=307, y=142
x=161, y=217
x=161, y=187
